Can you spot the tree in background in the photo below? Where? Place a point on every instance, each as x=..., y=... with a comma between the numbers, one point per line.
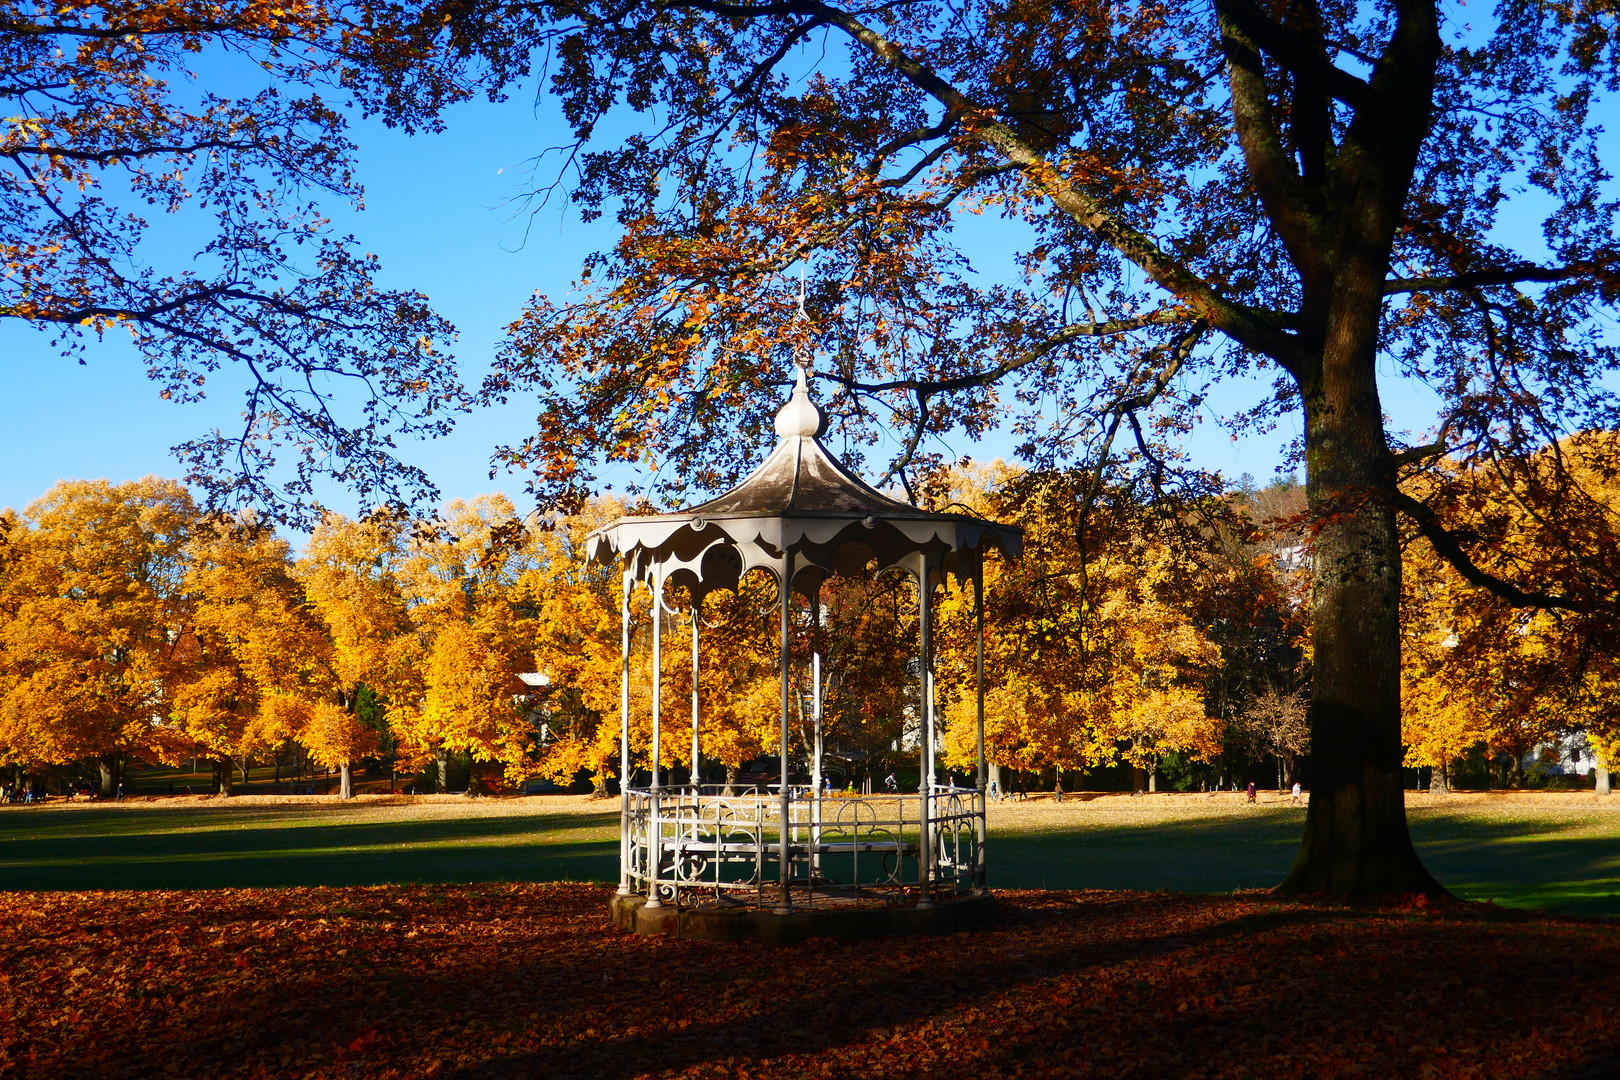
x=460, y=577
x=739, y=686
x=349, y=574
x=93, y=588
x=575, y=639
x=229, y=120
x=1093, y=654
x=1481, y=670
x=1279, y=725
x=249, y=644
x=1298, y=191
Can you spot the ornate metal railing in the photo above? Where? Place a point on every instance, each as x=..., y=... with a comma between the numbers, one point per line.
x=687, y=846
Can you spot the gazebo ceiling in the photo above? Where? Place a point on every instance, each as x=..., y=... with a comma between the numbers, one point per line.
x=804, y=501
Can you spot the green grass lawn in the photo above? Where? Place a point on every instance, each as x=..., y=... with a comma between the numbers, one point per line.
x=1561, y=855
x=1534, y=854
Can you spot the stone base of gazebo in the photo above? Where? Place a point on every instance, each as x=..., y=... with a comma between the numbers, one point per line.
x=828, y=917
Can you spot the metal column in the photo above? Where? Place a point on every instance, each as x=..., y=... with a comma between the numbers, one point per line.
x=697, y=604
x=655, y=826
x=785, y=835
x=925, y=782
x=624, y=734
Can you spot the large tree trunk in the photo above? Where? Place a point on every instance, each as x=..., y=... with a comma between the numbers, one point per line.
x=731, y=780
x=108, y=763
x=441, y=781
x=1602, y=779
x=1356, y=838
x=225, y=769
x=599, y=785
x=346, y=783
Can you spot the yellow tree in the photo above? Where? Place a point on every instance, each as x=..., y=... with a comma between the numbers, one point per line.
x=250, y=642
x=575, y=638
x=740, y=684
x=1479, y=670
x=460, y=577
x=1092, y=651
x=575, y=629
x=94, y=589
x=348, y=572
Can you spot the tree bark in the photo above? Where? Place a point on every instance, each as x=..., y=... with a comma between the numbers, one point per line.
x=1439, y=780
x=226, y=770
x=441, y=756
x=346, y=783
x=244, y=771
x=108, y=764
x=1356, y=839
x=731, y=780
x=599, y=785
x=1602, y=779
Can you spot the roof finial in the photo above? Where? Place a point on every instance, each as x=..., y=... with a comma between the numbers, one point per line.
x=799, y=359
x=800, y=418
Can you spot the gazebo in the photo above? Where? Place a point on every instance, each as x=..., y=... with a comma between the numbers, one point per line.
x=775, y=861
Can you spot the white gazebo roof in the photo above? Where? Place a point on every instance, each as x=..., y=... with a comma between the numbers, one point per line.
x=803, y=501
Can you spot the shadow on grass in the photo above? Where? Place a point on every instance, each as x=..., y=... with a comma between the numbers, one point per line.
x=187, y=849
x=1569, y=862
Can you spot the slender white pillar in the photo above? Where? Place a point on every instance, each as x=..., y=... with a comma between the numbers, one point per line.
x=786, y=834
x=978, y=667
x=925, y=855
x=816, y=775
x=624, y=733
x=656, y=828
x=697, y=605
x=981, y=876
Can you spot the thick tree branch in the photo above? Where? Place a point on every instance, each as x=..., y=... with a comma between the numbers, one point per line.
x=103, y=157
x=1292, y=50
x=1450, y=549
x=1275, y=177
x=1524, y=273
x=1244, y=325
x=994, y=374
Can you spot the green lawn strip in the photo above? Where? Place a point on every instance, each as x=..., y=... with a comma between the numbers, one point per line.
x=1217, y=853
x=1524, y=855
x=142, y=848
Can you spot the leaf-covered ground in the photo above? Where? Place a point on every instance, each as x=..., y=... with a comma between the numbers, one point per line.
x=527, y=980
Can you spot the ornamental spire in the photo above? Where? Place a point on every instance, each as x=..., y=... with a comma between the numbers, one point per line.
x=799, y=418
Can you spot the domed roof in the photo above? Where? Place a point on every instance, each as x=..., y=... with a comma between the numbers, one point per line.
x=802, y=500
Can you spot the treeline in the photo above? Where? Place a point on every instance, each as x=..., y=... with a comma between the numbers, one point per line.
x=137, y=629
x=1167, y=635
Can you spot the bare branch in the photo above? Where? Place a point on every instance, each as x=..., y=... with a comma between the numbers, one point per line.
x=1524, y=273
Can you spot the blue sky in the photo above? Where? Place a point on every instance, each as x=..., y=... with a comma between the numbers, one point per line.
x=438, y=214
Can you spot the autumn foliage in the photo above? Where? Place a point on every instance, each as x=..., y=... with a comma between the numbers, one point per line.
x=1167, y=636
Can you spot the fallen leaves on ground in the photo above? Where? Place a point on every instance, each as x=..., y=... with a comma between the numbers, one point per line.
x=517, y=981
